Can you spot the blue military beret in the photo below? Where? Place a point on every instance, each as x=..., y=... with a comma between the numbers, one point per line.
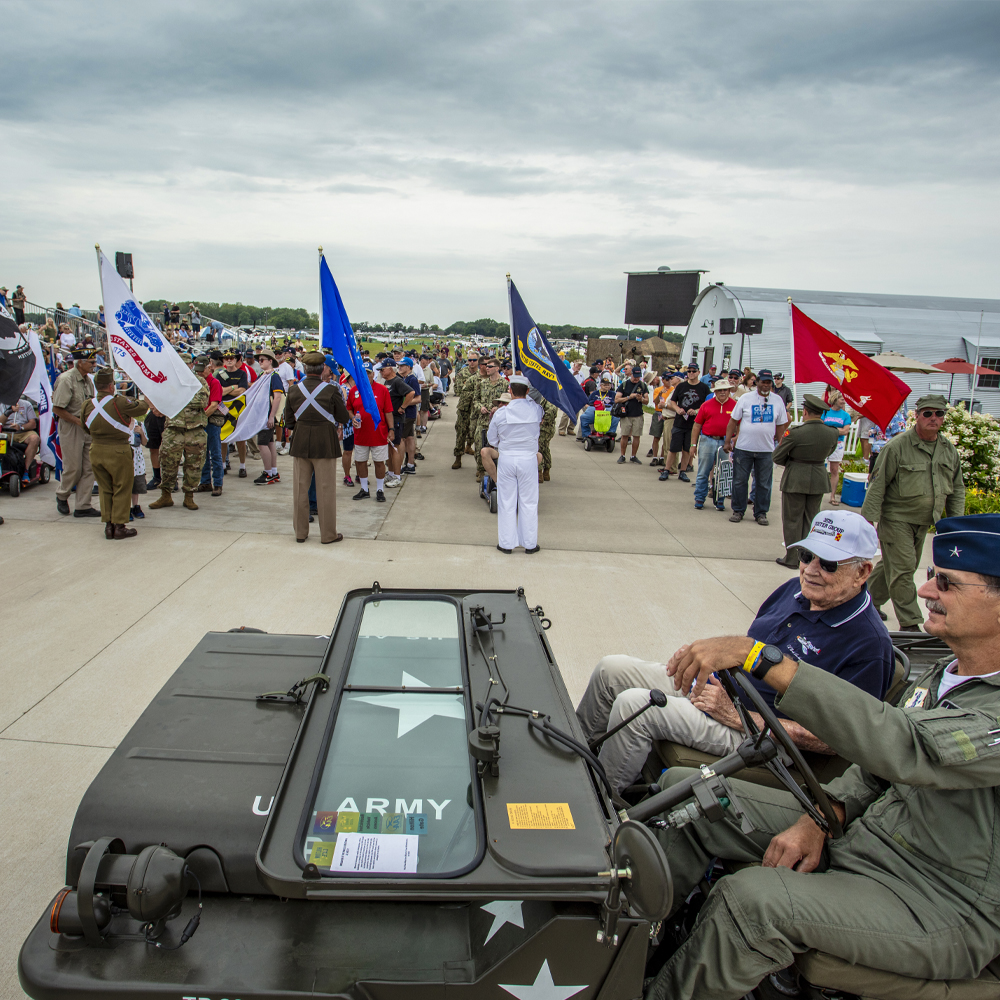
x=970, y=522
x=969, y=551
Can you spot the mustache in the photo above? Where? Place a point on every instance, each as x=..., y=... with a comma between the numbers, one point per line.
x=935, y=606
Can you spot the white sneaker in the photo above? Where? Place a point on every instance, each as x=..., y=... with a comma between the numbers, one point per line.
x=392, y=483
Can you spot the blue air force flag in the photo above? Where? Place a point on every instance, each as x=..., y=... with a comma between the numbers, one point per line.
x=538, y=362
x=337, y=337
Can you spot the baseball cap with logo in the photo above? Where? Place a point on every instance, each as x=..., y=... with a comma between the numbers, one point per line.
x=764, y=375
x=838, y=535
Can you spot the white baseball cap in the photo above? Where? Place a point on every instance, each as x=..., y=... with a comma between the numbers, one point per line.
x=837, y=535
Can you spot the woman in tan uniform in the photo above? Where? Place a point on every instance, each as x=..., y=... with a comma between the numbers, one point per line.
x=108, y=419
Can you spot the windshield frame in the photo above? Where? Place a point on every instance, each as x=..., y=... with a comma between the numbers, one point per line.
x=321, y=761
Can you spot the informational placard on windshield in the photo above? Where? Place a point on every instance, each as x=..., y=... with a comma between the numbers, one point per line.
x=375, y=852
x=540, y=816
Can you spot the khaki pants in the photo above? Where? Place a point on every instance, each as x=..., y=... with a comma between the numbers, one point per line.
x=326, y=496
x=902, y=548
x=797, y=513
x=757, y=920
x=114, y=468
x=76, y=471
x=619, y=686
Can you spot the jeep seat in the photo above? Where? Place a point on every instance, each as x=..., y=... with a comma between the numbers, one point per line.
x=827, y=972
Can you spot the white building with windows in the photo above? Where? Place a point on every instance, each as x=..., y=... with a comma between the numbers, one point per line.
x=927, y=328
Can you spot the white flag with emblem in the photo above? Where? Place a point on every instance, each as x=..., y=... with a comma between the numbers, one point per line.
x=140, y=350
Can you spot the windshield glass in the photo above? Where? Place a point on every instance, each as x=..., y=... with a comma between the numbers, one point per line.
x=394, y=792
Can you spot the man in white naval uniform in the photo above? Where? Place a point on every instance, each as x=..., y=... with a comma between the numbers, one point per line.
x=513, y=431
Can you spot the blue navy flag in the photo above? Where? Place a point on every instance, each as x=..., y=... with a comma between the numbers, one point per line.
x=538, y=362
x=337, y=338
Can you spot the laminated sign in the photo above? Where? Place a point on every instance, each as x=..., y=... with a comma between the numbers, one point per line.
x=540, y=816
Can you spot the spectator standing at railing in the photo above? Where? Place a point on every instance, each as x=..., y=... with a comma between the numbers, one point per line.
x=101, y=322
x=195, y=316
x=175, y=315
x=3, y=296
x=17, y=300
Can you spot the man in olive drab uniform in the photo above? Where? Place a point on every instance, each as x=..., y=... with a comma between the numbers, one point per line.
x=477, y=375
x=108, y=417
x=917, y=478
x=803, y=452
x=184, y=436
x=312, y=412
x=545, y=433
x=462, y=378
x=72, y=389
x=488, y=391
x=911, y=887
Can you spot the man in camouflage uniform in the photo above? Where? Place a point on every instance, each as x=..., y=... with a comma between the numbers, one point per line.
x=548, y=429
x=184, y=435
x=465, y=380
x=488, y=392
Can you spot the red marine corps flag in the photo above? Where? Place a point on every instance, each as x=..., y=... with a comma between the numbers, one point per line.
x=821, y=356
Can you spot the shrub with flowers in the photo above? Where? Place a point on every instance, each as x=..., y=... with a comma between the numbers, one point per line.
x=977, y=438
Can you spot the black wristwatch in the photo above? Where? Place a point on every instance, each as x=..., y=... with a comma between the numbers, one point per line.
x=770, y=656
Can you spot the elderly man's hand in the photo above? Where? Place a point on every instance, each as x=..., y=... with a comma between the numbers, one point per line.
x=714, y=700
x=693, y=663
x=799, y=847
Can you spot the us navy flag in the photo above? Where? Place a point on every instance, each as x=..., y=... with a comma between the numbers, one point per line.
x=538, y=362
x=337, y=336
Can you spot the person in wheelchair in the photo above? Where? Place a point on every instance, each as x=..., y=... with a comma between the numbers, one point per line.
x=825, y=615
x=910, y=890
x=20, y=419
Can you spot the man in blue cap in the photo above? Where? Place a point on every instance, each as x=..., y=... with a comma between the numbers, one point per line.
x=912, y=886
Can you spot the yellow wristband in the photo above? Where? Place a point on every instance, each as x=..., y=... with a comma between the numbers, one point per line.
x=751, y=661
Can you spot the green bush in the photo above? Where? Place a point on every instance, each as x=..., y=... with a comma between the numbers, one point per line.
x=982, y=501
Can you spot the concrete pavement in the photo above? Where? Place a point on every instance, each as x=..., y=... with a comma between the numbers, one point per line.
x=627, y=565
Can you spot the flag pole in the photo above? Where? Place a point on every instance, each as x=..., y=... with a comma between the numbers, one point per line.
x=100, y=277
x=510, y=314
x=319, y=343
x=791, y=338
x=972, y=378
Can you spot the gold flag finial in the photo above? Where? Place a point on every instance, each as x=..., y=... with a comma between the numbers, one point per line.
x=320, y=249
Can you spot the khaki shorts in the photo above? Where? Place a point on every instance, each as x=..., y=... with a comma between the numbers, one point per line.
x=22, y=437
x=630, y=426
x=379, y=452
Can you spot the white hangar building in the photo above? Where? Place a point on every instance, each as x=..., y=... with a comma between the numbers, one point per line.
x=927, y=328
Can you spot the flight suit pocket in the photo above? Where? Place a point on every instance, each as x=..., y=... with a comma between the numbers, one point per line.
x=912, y=480
x=957, y=739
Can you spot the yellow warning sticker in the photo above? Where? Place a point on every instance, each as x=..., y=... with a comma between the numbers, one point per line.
x=540, y=816
x=321, y=854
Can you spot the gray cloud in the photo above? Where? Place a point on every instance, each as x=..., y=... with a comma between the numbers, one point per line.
x=578, y=138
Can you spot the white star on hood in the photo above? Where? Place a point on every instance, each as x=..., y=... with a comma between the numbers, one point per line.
x=413, y=710
x=542, y=988
x=505, y=911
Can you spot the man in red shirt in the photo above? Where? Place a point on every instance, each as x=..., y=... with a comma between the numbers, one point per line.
x=213, y=468
x=369, y=437
x=707, y=436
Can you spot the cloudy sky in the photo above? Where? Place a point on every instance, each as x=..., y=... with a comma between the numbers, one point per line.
x=432, y=147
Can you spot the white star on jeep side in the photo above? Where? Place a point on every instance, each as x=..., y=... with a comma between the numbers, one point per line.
x=414, y=710
x=505, y=911
x=955, y=552
x=542, y=988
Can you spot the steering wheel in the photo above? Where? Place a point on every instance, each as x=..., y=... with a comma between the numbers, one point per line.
x=812, y=798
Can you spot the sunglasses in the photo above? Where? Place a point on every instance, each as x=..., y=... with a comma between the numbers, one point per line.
x=827, y=565
x=927, y=414
x=944, y=583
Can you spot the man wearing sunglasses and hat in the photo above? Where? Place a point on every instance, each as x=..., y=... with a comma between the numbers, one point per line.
x=72, y=389
x=916, y=479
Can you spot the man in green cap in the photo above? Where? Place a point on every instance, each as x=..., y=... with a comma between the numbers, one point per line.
x=918, y=476
x=803, y=452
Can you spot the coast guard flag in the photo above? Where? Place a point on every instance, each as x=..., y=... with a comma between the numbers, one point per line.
x=140, y=350
x=337, y=337
x=821, y=356
x=39, y=391
x=538, y=362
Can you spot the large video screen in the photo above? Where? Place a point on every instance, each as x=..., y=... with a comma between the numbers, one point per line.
x=665, y=298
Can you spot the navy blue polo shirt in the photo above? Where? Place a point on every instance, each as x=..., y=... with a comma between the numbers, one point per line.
x=850, y=640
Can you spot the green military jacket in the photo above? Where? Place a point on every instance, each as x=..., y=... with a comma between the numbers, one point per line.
x=487, y=393
x=803, y=452
x=915, y=481
x=922, y=799
x=193, y=415
x=467, y=394
x=548, y=422
x=460, y=378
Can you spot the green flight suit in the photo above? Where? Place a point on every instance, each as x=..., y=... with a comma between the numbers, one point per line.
x=803, y=452
x=184, y=436
x=913, y=886
x=913, y=483
x=465, y=384
x=486, y=394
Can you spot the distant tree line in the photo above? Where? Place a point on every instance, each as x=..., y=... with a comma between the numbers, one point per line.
x=238, y=314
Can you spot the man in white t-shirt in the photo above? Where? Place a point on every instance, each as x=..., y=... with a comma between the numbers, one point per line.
x=757, y=424
x=285, y=369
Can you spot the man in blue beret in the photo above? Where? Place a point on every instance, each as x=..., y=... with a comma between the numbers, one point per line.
x=912, y=887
